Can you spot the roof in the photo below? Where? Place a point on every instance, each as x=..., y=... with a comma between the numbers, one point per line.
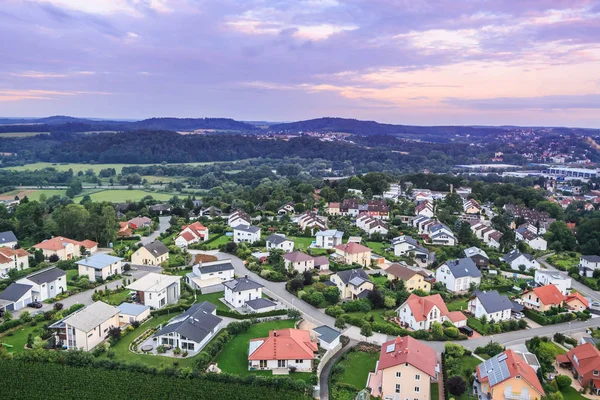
x=88, y=244
x=594, y=259
x=154, y=282
x=507, y=365
x=196, y=323
x=456, y=316
x=259, y=303
x=46, y=275
x=9, y=252
x=246, y=228
x=91, y=316
x=99, y=261
x=277, y=239
x=321, y=260
x=138, y=221
x=353, y=276
x=588, y=358
x=241, y=284
x=132, y=309
x=549, y=294
x=327, y=333
x=156, y=248
x=463, y=267
x=407, y=350
x=7, y=237
x=188, y=236
x=402, y=272
x=511, y=256
x=493, y=301
x=15, y=291
x=475, y=251
x=352, y=248
x=421, y=306
x=577, y=296
x=331, y=232
x=56, y=243
x=284, y=344
x=216, y=266
x=297, y=256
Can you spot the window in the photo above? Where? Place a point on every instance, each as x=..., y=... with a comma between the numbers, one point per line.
x=398, y=374
x=417, y=389
x=417, y=377
x=596, y=373
x=280, y=363
x=518, y=377
x=299, y=361
x=262, y=363
x=397, y=388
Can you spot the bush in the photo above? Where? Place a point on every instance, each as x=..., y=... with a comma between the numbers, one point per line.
x=334, y=311
x=454, y=350
x=563, y=382
x=456, y=385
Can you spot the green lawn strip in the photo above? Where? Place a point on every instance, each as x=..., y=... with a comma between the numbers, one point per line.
x=474, y=323
x=378, y=247
x=234, y=356
x=357, y=365
x=224, y=239
x=435, y=391
x=557, y=349
x=468, y=364
x=379, y=281
x=18, y=339
x=116, y=298
x=70, y=274
x=214, y=299
x=301, y=243
x=457, y=305
x=571, y=393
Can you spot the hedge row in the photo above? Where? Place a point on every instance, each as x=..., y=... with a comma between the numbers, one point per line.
x=550, y=320
x=236, y=315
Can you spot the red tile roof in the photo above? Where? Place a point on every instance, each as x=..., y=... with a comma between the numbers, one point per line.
x=187, y=236
x=88, y=244
x=421, y=306
x=297, y=256
x=8, y=252
x=456, y=316
x=549, y=295
x=588, y=357
x=352, y=248
x=517, y=366
x=285, y=344
x=577, y=296
x=407, y=350
x=56, y=243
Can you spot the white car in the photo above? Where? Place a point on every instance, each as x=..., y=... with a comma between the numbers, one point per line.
x=518, y=315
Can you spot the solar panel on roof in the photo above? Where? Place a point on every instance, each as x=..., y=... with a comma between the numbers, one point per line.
x=389, y=348
x=502, y=357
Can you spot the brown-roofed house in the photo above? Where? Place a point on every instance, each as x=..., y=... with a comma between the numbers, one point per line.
x=65, y=248
x=413, y=280
x=351, y=253
x=299, y=261
x=421, y=312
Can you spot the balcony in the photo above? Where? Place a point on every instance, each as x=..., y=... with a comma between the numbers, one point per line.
x=515, y=396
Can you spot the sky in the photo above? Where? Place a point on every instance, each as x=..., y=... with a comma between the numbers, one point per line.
x=420, y=62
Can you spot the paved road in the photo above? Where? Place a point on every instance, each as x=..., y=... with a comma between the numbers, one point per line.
x=324, y=377
x=580, y=287
x=163, y=225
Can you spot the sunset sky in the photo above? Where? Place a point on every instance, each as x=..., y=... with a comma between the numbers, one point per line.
x=422, y=62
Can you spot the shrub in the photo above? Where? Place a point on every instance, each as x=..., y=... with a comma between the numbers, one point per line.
x=563, y=382
x=454, y=350
x=334, y=311
x=456, y=385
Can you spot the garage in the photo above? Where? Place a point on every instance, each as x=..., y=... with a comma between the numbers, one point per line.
x=16, y=296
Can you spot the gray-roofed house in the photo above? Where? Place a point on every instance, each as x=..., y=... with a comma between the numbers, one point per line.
x=245, y=233
x=495, y=306
x=209, y=276
x=88, y=327
x=588, y=264
x=260, y=305
x=239, y=291
x=279, y=241
x=99, y=266
x=46, y=283
x=407, y=245
x=328, y=239
x=131, y=312
x=191, y=330
x=479, y=257
x=515, y=259
x=154, y=253
x=329, y=338
x=352, y=283
x=458, y=275
x=299, y=261
x=16, y=296
x=8, y=239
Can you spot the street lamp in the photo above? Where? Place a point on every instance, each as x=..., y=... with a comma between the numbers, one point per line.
x=569, y=328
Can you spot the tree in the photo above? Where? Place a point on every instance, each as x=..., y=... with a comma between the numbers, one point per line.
x=563, y=382
x=437, y=331
x=74, y=189
x=366, y=330
x=340, y=323
x=375, y=298
x=307, y=277
x=560, y=237
x=53, y=258
x=456, y=385
x=389, y=302
x=465, y=235
x=114, y=332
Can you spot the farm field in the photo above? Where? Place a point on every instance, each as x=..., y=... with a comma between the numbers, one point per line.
x=32, y=194
x=121, y=196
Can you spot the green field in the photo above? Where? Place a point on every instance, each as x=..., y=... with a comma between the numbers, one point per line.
x=212, y=298
x=223, y=239
x=76, y=167
x=33, y=194
x=121, y=196
x=457, y=305
x=22, y=134
x=301, y=242
x=357, y=365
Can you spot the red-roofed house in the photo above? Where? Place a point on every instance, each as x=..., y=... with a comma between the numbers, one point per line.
x=190, y=234
x=139, y=222
x=576, y=302
x=65, y=248
x=421, y=312
x=351, y=253
x=124, y=230
x=405, y=370
x=507, y=376
x=283, y=348
x=584, y=362
x=12, y=259
x=543, y=298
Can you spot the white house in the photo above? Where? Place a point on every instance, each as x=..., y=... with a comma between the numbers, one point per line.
x=370, y=224
x=46, y=283
x=329, y=239
x=312, y=221
x=191, y=330
x=286, y=209
x=561, y=281
x=15, y=296
x=421, y=312
x=536, y=242
x=329, y=338
x=279, y=241
x=99, y=266
x=424, y=208
x=88, y=327
x=190, y=234
x=245, y=233
x=209, y=276
x=441, y=235
x=12, y=259
x=493, y=305
x=241, y=290
x=238, y=217
x=8, y=239
x=406, y=245
x=458, y=275
x=515, y=259
x=588, y=264
x=299, y=261
x=157, y=290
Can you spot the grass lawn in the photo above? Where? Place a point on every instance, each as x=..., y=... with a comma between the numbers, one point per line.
x=378, y=247
x=234, y=357
x=379, y=281
x=435, y=391
x=301, y=242
x=32, y=194
x=376, y=313
x=114, y=299
x=357, y=365
x=571, y=393
x=457, y=305
x=121, y=196
x=70, y=274
x=468, y=364
x=474, y=323
x=557, y=349
x=213, y=298
x=223, y=239
x=564, y=260
x=76, y=167
x=18, y=339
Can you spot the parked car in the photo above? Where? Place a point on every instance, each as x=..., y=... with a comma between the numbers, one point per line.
x=595, y=303
x=518, y=315
x=35, y=304
x=466, y=330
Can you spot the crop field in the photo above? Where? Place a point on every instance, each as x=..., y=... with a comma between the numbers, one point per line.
x=32, y=194
x=121, y=196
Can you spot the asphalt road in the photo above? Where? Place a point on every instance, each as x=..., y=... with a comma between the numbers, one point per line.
x=163, y=225
x=324, y=377
x=580, y=287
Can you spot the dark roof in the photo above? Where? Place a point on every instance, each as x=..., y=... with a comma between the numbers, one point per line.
x=356, y=274
x=297, y=256
x=364, y=294
x=511, y=256
x=7, y=237
x=14, y=291
x=217, y=266
x=328, y=283
x=259, y=303
x=327, y=333
x=493, y=301
x=277, y=239
x=463, y=267
x=246, y=228
x=241, y=284
x=593, y=259
x=157, y=248
x=47, y=275
x=196, y=323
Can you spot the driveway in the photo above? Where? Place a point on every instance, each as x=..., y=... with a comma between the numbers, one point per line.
x=324, y=377
x=163, y=225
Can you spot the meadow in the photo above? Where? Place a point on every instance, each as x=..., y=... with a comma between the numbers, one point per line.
x=121, y=196
x=76, y=167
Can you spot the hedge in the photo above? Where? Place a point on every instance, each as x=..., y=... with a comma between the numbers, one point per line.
x=236, y=315
x=499, y=288
x=550, y=320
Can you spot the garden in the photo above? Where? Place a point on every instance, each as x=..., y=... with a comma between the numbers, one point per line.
x=458, y=367
x=350, y=373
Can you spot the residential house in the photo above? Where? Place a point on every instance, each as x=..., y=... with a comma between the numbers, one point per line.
x=515, y=259
x=507, y=376
x=421, y=312
x=46, y=283
x=260, y=305
x=522, y=234
x=299, y=261
x=576, y=302
x=413, y=280
x=246, y=234
x=425, y=208
x=15, y=296
x=99, y=266
x=190, y=234
x=543, y=298
x=191, y=330
x=588, y=264
x=494, y=239
x=131, y=312
x=328, y=239
x=458, y=275
x=88, y=327
x=441, y=235
x=89, y=247
x=160, y=209
x=493, y=305
x=322, y=263
x=12, y=259
x=286, y=209
x=209, y=276
x=541, y=219
x=154, y=253
x=584, y=363
x=471, y=206
x=353, y=207
x=333, y=208
x=405, y=370
x=238, y=217
x=157, y=290
x=371, y=224
x=408, y=246
x=241, y=290
x=329, y=338
x=211, y=212
x=352, y=283
x=279, y=241
x=8, y=239
x=350, y=253
x=560, y=280
x=310, y=220
x=479, y=257
x=64, y=248
x=139, y=222
x=282, y=349
x=124, y=230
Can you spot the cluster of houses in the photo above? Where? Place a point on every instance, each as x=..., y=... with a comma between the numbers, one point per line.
x=434, y=231
x=127, y=228
x=353, y=207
